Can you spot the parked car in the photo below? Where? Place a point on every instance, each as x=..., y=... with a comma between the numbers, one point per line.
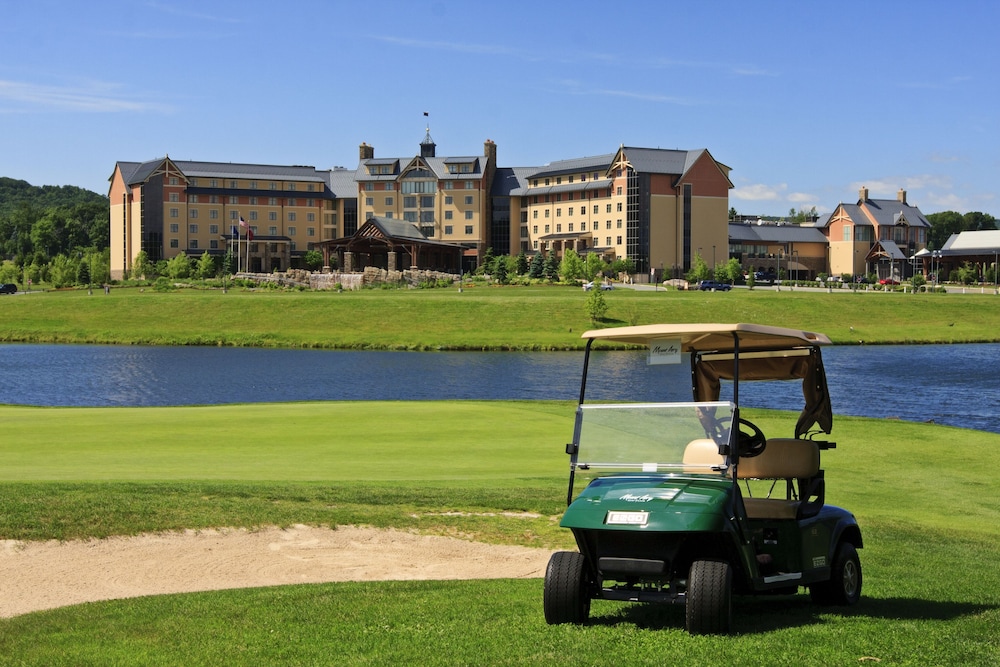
x=768, y=277
x=604, y=286
x=888, y=281
x=690, y=503
x=714, y=286
x=8, y=288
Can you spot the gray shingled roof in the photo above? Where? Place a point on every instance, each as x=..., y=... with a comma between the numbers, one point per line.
x=574, y=166
x=774, y=234
x=511, y=180
x=887, y=211
x=141, y=171
x=342, y=184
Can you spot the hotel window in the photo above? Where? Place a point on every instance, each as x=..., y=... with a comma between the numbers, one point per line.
x=558, y=212
x=291, y=216
x=426, y=201
x=213, y=244
x=311, y=187
x=570, y=211
x=559, y=228
x=253, y=185
x=214, y=183
x=253, y=201
x=213, y=229
x=571, y=226
x=291, y=231
x=534, y=214
x=174, y=228
x=449, y=185
x=571, y=178
x=234, y=215
x=273, y=186
x=369, y=187
x=596, y=209
x=608, y=225
x=619, y=207
x=213, y=214
x=232, y=184
x=607, y=240
x=570, y=196
x=546, y=229
x=468, y=215
x=619, y=190
x=193, y=199
x=534, y=245
x=596, y=175
x=291, y=186
x=619, y=242
x=234, y=200
x=388, y=201
x=194, y=213
x=448, y=200
x=213, y=199
x=447, y=215
x=608, y=209
x=193, y=229
x=310, y=217
x=618, y=224
x=174, y=213
x=468, y=230
x=387, y=186
x=174, y=244
x=174, y=197
x=272, y=216
x=388, y=215
x=546, y=181
x=310, y=231
x=558, y=180
x=470, y=185
x=596, y=225
x=310, y=202
x=468, y=200
x=273, y=231
x=194, y=182
x=253, y=215
x=173, y=180
x=193, y=244
x=369, y=201
x=447, y=229
x=293, y=202
x=583, y=177
x=546, y=213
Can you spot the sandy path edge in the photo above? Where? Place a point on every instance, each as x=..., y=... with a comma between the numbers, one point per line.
x=46, y=575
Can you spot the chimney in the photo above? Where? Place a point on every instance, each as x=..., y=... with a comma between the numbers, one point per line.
x=863, y=194
x=901, y=196
x=366, y=152
x=490, y=151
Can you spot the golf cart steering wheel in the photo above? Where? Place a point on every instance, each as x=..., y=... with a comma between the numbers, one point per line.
x=750, y=444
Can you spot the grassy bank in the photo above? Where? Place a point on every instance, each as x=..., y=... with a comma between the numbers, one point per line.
x=535, y=318
x=932, y=591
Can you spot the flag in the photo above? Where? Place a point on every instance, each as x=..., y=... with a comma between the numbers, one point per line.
x=249, y=234
x=243, y=223
x=235, y=231
x=426, y=114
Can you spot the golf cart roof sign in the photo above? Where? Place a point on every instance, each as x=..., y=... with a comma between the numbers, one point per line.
x=664, y=351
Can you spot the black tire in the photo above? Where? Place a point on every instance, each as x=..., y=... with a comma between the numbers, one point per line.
x=709, y=598
x=566, y=596
x=844, y=586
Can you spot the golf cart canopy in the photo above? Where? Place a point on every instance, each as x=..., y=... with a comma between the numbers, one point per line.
x=764, y=353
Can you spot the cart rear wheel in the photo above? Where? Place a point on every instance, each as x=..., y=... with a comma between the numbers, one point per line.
x=709, y=598
x=844, y=586
x=567, y=594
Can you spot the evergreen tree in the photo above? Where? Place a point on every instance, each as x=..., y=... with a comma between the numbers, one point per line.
x=522, y=263
x=551, y=267
x=537, y=268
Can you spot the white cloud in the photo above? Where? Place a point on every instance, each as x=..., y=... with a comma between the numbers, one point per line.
x=759, y=192
x=801, y=197
x=90, y=97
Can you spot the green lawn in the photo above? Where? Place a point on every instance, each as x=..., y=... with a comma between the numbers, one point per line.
x=924, y=496
x=524, y=318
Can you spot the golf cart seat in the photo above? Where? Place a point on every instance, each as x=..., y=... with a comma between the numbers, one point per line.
x=702, y=452
x=795, y=461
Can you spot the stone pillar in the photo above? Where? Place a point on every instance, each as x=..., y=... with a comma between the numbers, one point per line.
x=393, y=264
x=348, y=262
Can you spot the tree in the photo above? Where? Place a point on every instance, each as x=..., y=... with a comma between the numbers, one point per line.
x=699, y=270
x=595, y=266
x=597, y=306
x=943, y=225
x=206, y=266
x=179, y=267
x=536, y=269
x=571, y=267
x=313, y=259
x=551, y=267
x=83, y=273
x=732, y=214
x=499, y=271
x=522, y=263
x=141, y=267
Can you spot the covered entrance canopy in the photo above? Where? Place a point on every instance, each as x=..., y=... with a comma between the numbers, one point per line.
x=392, y=245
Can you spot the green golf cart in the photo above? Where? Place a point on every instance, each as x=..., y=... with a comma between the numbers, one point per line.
x=690, y=503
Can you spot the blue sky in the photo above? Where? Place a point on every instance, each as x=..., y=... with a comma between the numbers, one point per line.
x=806, y=101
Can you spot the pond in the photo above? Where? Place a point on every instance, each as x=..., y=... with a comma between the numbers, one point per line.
x=947, y=384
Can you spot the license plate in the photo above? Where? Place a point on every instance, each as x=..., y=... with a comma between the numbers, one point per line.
x=627, y=518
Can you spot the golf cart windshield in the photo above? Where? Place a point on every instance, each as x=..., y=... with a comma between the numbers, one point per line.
x=654, y=437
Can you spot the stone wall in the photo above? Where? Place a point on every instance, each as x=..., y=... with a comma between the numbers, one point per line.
x=371, y=277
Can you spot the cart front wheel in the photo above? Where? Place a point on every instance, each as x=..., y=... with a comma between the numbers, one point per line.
x=709, y=598
x=567, y=594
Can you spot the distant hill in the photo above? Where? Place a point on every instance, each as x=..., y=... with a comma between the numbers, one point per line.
x=14, y=192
